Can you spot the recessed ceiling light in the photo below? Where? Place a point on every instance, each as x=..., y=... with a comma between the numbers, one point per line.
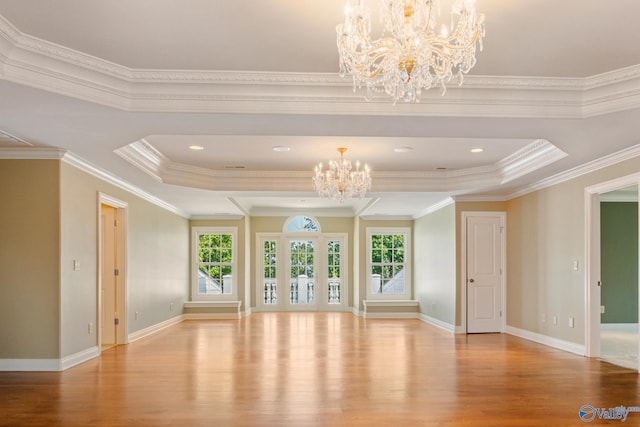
x=196, y=147
x=402, y=149
x=281, y=148
x=477, y=150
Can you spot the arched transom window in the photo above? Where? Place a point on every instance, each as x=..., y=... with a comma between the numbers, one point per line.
x=301, y=224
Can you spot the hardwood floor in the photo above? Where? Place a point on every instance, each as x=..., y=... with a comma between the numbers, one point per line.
x=320, y=369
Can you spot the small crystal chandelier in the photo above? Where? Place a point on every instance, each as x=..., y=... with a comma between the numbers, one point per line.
x=412, y=54
x=340, y=182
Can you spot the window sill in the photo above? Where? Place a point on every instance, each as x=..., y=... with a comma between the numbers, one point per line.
x=213, y=304
x=389, y=303
x=400, y=309
x=200, y=310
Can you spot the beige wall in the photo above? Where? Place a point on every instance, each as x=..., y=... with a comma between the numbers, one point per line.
x=29, y=259
x=157, y=268
x=49, y=220
x=545, y=235
x=434, y=264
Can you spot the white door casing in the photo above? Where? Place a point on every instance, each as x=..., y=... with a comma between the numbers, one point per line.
x=592, y=257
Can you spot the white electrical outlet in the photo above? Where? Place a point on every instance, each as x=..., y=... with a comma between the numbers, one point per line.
x=575, y=265
x=555, y=320
x=90, y=328
x=572, y=322
x=76, y=265
x=602, y=309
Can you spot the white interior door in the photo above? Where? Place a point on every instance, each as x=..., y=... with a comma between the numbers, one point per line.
x=484, y=249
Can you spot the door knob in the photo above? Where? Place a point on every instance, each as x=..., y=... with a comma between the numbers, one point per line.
x=471, y=280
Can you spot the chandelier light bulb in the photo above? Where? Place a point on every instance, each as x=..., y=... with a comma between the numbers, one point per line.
x=414, y=52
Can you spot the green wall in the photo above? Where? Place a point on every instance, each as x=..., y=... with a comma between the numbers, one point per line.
x=619, y=261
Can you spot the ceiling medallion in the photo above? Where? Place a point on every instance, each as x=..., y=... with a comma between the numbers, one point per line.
x=340, y=181
x=414, y=52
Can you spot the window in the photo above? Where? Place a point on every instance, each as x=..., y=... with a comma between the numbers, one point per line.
x=214, y=263
x=334, y=265
x=270, y=271
x=304, y=224
x=388, y=263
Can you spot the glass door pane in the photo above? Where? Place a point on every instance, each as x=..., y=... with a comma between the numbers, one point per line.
x=334, y=288
x=302, y=272
x=269, y=268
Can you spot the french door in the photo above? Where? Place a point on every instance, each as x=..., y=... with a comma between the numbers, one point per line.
x=301, y=273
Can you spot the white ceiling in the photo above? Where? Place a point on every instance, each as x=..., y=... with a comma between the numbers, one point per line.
x=125, y=87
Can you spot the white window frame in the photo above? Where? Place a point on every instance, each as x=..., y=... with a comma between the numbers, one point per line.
x=259, y=288
x=195, y=232
x=301, y=232
x=406, y=232
x=282, y=276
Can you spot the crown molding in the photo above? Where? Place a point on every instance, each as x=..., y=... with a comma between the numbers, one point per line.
x=434, y=208
x=216, y=217
x=535, y=155
x=12, y=139
x=79, y=163
x=609, y=160
x=108, y=177
x=19, y=153
x=31, y=61
x=479, y=198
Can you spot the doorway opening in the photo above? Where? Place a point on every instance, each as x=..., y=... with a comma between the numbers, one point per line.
x=112, y=295
x=612, y=271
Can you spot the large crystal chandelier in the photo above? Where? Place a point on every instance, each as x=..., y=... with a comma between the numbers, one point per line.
x=414, y=52
x=340, y=181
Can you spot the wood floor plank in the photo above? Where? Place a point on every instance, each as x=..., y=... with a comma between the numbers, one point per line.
x=319, y=369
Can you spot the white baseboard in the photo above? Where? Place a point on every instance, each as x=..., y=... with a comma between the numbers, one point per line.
x=547, y=340
x=356, y=312
x=438, y=323
x=212, y=316
x=24, y=365
x=78, y=358
x=134, y=336
x=400, y=315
